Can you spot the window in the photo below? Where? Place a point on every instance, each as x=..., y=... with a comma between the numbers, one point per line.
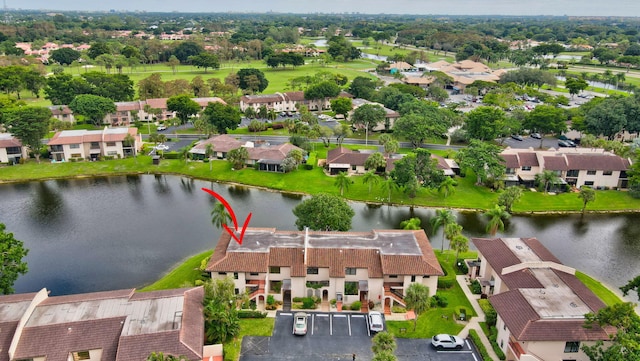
x=588, y=183
x=13, y=150
x=591, y=172
x=393, y=276
x=526, y=167
x=353, y=167
x=81, y=355
x=253, y=274
x=111, y=144
x=350, y=271
x=413, y=278
x=222, y=273
x=573, y=173
x=235, y=275
x=351, y=288
x=95, y=145
x=275, y=270
x=312, y=270
x=623, y=174
x=74, y=146
x=572, y=346
x=607, y=172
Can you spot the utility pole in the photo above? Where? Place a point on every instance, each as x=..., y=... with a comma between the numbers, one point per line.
x=6, y=12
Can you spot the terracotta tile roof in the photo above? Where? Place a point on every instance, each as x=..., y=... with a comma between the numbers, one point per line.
x=555, y=163
x=511, y=160
x=221, y=143
x=274, y=153
x=85, y=136
x=56, y=341
x=82, y=297
x=525, y=324
x=128, y=106
x=6, y=336
x=7, y=140
x=528, y=159
x=596, y=162
x=345, y=249
x=59, y=109
x=157, y=103
x=203, y=102
x=346, y=156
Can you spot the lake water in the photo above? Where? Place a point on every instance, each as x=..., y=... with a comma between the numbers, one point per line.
x=98, y=234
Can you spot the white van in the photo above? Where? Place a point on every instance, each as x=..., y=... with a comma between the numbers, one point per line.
x=375, y=321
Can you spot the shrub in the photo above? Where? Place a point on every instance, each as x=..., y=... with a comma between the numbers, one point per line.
x=398, y=309
x=276, y=286
x=445, y=283
x=297, y=299
x=278, y=125
x=491, y=316
x=251, y=314
x=440, y=301
x=461, y=267
x=308, y=167
x=475, y=287
x=333, y=302
x=356, y=306
x=308, y=303
x=256, y=126
x=473, y=335
x=271, y=300
x=171, y=155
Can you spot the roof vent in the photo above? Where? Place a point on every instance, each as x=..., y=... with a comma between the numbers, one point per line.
x=573, y=304
x=556, y=285
x=518, y=247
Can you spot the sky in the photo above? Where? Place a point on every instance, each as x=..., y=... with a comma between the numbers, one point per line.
x=418, y=7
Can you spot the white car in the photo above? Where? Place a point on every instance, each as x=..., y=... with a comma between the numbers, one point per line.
x=375, y=321
x=450, y=342
x=300, y=323
x=161, y=128
x=162, y=147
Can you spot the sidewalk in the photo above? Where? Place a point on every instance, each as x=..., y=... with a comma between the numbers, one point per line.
x=474, y=322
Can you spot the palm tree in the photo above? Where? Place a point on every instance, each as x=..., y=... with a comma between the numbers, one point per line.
x=383, y=341
x=220, y=215
x=184, y=154
x=442, y=219
x=447, y=186
x=208, y=153
x=388, y=186
x=452, y=230
x=496, y=216
x=370, y=178
x=587, y=195
x=459, y=243
x=620, y=78
x=546, y=178
x=342, y=182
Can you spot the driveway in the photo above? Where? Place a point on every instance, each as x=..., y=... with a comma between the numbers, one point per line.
x=336, y=336
x=528, y=142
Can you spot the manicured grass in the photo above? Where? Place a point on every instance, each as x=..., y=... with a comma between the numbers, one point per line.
x=467, y=195
x=184, y=275
x=606, y=295
x=432, y=322
x=248, y=327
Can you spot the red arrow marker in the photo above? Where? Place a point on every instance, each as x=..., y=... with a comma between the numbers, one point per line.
x=231, y=232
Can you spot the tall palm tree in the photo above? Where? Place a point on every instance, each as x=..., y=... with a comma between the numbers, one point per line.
x=220, y=215
x=208, y=153
x=620, y=78
x=496, y=216
x=342, y=182
x=459, y=243
x=447, y=186
x=370, y=178
x=389, y=185
x=587, y=195
x=442, y=219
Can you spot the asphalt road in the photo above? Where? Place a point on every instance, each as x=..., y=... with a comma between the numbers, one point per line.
x=528, y=142
x=336, y=336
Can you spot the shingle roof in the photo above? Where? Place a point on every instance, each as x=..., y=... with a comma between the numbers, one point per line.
x=220, y=143
x=381, y=252
x=596, y=162
x=555, y=163
x=346, y=156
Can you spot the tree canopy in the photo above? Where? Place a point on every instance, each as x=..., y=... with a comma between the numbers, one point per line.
x=368, y=115
x=324, y=212
x=93, y=107
x=205, y=60
x=483, y=159
x=29, y=124
x=184, y=107
x=222, y=117
x=252, y=79
x=12, y=252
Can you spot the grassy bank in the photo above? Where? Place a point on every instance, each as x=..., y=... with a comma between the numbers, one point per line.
x=605, y=294
x=184, y=274
x=467, y=195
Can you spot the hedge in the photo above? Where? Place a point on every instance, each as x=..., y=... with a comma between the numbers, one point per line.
x=473, y=335
x=251, y=314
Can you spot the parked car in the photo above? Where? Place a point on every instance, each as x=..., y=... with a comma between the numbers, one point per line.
x=517, y=137
x=449, y=342
x=300, y=323
x=566, y=143
x=536, y=136
x=375, y=321
x=161, y=128
x=162, y=147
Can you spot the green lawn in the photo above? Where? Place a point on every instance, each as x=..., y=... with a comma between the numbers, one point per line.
x=467, y=195
x=248, y=327
x=606, y=295
x=184, y=275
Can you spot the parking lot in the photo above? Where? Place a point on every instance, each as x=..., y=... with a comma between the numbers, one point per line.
x=336, y=336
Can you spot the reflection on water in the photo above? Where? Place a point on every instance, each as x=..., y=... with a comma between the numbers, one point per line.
x=117, y=232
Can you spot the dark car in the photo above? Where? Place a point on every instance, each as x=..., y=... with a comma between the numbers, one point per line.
x=566, y=143
x=517, y=137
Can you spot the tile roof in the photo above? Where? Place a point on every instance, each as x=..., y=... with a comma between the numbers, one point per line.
x=221, y=143
x=85, y=136
x=273, y=152
x=555, y=163
x=7, y=140
x=343, y=155
x=381, y=252
x=597, y=162
x=525, y=324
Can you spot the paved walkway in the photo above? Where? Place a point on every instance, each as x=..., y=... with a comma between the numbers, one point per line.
x=474, y=323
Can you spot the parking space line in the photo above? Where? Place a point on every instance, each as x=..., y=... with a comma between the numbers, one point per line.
x=467, y=342
x=286, y=314
x=357, y=316
x=330, y=326
x=312, y=323
x=349, y=322
x=366, y=321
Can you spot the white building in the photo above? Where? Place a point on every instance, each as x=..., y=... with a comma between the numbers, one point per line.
x=93, y=144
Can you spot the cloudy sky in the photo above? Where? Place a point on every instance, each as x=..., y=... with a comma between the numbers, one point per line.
x=450, y=7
